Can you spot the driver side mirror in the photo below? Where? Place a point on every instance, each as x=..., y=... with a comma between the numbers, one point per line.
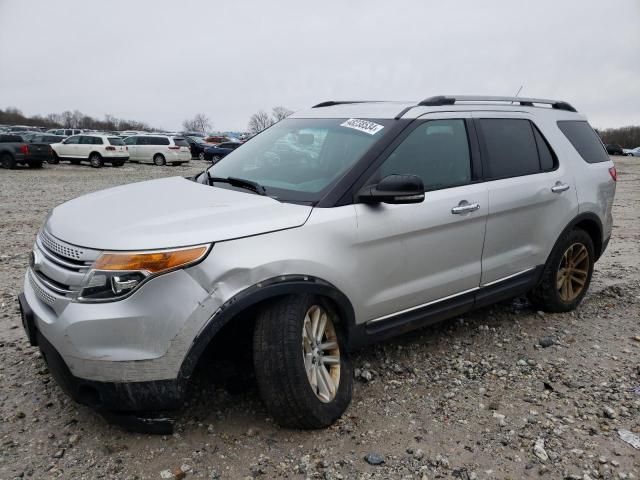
x=394, y=189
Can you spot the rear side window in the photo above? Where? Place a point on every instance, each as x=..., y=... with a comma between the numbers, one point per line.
x=115, y=141
x=158, y=141
x=510, y=147
x=584, y=140
x=180, y=142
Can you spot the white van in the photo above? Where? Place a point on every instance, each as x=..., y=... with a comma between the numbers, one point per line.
x=159, y=149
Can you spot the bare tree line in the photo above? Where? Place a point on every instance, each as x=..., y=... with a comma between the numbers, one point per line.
x=262, y=120
x=627, y=137
x=69, y=119
x=199, y=123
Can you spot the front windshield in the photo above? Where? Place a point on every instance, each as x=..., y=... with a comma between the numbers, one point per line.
x=297, y=159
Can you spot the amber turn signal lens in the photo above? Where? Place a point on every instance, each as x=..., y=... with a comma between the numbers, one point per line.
x=152, y=262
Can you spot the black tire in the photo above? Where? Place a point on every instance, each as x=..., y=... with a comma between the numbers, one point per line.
x=159, y=160
x=7, y=161
x=216, y=158
x=54, y=160
x=201, y=156
x=548, y=296
x=95, y=160
x=35, y=163
x=280, y=367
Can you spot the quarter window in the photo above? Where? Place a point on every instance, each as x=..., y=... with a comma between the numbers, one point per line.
x=584, y=140
x=437, y=151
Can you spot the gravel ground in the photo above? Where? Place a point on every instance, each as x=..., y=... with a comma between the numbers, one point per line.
x=505, y=392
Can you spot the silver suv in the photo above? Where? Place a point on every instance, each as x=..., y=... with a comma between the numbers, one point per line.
x=342, y=225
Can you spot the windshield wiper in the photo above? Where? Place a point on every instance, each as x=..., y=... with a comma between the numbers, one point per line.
x=238, y=182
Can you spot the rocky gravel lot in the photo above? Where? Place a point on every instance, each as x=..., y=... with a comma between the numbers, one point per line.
x=506, y=392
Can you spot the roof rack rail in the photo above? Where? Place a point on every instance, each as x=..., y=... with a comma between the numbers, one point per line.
x=441, y=100
x=331, y=103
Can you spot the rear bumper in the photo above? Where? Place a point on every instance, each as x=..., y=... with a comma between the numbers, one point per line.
x=110, y=396
x=115, y=159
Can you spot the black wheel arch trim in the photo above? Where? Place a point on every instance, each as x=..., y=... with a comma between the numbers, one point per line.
x=599, y=243
x=260, y=292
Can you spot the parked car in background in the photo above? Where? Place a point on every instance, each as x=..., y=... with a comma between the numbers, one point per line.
x=197, y=146
x=20, y=128
x=218, y=152
x=66, y=132
x=632, y=152
x=159, y=149
x=27, y=136
x=40, y=147
x=94, y=148
x=216, y=139
x=194, y=134
x=13, y=151
x=614, y=149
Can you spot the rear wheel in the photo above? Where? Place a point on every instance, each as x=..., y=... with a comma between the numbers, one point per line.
x=159, y=159
x=216, y=158
x=567, y=274
x=7, y=161
x=302, y=367
x=54, y=159
x=95, y=160
x=201, y=156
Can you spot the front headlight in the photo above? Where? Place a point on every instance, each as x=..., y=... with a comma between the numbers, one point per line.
x=115, y=275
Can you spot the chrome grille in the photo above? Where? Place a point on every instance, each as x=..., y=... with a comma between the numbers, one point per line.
x=40, y=292
x=60, y=248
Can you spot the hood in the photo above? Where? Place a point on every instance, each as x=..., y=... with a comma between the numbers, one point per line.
x=166, y=213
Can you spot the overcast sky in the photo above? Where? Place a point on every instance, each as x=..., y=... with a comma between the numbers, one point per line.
x=163, y=61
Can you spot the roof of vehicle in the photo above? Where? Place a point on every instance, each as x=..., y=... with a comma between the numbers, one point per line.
x=441, y=103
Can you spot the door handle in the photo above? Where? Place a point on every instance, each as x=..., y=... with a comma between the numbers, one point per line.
x=560, y=187
x=465, y=207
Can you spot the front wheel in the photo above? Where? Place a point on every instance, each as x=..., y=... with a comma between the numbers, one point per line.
x=201, y=156
x=567, y=273
x=216, y=158
x=54, y=159
x=302, y=367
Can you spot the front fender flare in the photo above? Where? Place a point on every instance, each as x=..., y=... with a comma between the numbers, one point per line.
x=270, y=288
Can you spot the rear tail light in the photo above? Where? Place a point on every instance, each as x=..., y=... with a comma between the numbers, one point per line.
x=614, y=174
x=174, y=147
x=110, y=148
x=24, y=149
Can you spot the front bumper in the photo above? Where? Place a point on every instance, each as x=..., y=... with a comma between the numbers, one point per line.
x=111, y=396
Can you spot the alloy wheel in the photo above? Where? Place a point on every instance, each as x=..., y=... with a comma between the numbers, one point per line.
x=573, y=271
x=321, y=353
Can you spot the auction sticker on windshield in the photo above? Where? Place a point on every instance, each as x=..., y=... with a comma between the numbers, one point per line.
x=362, y=125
